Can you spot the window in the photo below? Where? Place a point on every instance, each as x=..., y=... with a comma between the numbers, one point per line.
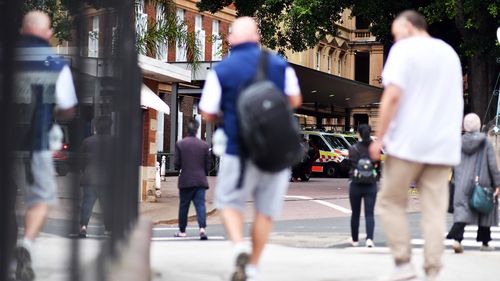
x=318, y=60
x=200, y=36
x=216, y=41
x=329, y=63
x=94, y=38
x=339, y=66
x=141, y=23
x=162, y=52
x=180, y=47
x=335, y=142
x=319, y=142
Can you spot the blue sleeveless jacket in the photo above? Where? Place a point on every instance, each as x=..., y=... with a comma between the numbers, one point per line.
x=38, y=69
x=234, y=73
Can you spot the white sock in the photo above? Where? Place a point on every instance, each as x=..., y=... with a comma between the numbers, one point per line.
x=27, y=243
x=251, y=270
x=239, y=247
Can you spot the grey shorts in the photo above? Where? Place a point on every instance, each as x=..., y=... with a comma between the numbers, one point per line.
x=42, y=188
x=266, y=189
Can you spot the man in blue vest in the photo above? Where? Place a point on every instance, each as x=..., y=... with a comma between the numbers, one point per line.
x=45, y=92
x=220, y=93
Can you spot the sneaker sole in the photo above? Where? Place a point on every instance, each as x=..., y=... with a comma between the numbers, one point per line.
x=241, y=261
x=24, y=271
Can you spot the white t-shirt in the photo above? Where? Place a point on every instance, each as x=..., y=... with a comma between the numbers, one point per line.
x=212, y=91
x=65, y=90
x=427, y=125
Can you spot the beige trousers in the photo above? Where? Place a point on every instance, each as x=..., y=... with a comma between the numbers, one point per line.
x=432, y=184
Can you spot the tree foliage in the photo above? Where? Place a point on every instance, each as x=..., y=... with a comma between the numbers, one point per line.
x=468, y=25
x=287, y=24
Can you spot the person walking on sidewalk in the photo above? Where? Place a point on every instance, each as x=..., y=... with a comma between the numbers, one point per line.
x=46, y=80
x=420, y=125
x=192, y=159
x=93, y=175
x=222, y=88
x=363, y=186
x=475, y=147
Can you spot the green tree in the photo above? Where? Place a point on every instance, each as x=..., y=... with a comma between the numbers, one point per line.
x=468, y=25
x=287, y=24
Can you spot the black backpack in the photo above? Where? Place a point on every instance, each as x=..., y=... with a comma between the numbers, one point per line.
x=268, y=130
x=364, y=172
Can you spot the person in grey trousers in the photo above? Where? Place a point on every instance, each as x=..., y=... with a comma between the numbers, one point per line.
x=192, y=159
x=473, y=144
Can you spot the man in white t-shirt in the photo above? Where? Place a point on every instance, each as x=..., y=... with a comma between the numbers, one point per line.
x=420, y=128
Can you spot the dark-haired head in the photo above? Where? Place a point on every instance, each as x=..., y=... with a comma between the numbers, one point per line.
x=103, y=125
x=364, y=131
x=192, y=127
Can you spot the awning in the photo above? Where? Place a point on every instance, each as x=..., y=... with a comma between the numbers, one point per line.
x=326, y=89
x=162, y=72
x=151, y=100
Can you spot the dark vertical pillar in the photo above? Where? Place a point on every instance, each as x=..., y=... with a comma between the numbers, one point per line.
x=210, y=132
x=319, y=122
x=347, y=126
x=8, y=37
x=174, y=115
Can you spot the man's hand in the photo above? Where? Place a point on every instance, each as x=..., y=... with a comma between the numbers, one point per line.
x=375, y=150
x=497, y=191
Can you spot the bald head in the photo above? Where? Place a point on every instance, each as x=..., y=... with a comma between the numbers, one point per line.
x=409, y=23
x=37, y=23
x=244, y=30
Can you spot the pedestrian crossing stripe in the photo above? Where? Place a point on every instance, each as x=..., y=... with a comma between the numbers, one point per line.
x=189, y=238
x=465, y=243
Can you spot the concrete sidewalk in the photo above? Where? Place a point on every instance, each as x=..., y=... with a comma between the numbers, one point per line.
x=213, y=261
x=165, y=210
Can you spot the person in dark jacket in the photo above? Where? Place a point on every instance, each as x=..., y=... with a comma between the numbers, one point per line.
x=473, y=144
x=193, y=160
x=93, y=177
x=361, y=191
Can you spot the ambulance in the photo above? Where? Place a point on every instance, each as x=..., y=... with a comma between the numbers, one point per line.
x=333, y=160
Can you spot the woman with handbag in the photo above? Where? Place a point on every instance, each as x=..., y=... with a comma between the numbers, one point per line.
x=477, y=182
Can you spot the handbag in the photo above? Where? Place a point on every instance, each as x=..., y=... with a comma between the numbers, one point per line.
x=481, y=199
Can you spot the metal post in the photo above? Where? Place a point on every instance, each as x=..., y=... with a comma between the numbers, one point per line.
x=173, y=121
x=210, y=132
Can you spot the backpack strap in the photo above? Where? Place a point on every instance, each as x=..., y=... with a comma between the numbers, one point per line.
x=262, y=66
x=260, y=75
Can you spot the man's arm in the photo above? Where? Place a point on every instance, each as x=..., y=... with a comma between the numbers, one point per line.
x=64, y=114
x=207, y=160
x=388, y=107
x=209, y=117
x=65, y=96
x=292, y=88
x=295, y=101
x=211, y=96
x=177, y=157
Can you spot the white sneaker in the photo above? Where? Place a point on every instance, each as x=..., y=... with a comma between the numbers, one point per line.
x=401, y=272
x=354, y=243
x=369, y=243
x=486, y=248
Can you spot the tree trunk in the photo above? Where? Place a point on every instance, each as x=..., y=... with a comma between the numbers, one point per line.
x=479, y=89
